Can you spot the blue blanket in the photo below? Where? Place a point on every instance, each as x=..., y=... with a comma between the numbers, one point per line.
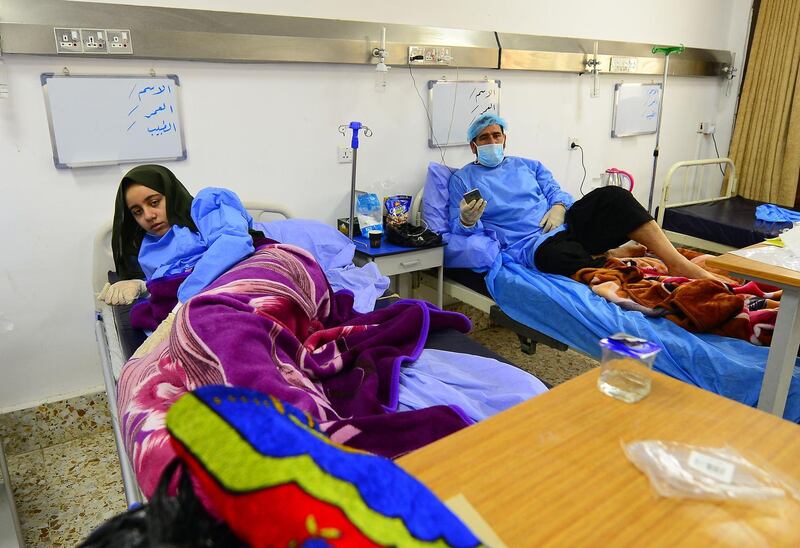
x=569, y=312
x=334, y=252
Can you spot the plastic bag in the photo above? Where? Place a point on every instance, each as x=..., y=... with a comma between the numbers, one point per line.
x=408, y=235
x=678, y=470
x=368, y=211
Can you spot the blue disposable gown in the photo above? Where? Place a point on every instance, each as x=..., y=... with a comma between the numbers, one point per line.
x=222, y=240
x=518, y=193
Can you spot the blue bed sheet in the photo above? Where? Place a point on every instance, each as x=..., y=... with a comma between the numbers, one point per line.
x=569, y=312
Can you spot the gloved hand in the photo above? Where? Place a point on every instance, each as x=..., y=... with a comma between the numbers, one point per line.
x=124, y=292
x=471, y=212
x=160, y=334
x=554, y=217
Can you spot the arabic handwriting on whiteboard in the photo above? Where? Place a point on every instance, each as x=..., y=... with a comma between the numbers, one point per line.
x=147, y=96
x=161, y=107
x=145, y=90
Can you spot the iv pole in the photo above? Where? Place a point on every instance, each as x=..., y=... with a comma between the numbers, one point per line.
x=355, y=126
x=666, y=50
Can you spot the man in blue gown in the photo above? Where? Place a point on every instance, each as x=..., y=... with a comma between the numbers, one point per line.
x=539, y=225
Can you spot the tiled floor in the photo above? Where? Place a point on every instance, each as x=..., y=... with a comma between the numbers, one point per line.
x=64, y=465
x=64, y=469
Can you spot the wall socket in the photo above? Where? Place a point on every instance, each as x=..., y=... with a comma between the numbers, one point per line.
x=119, y=42
x=94, y=40
x=68, y=40
x=573, y=142
x=707, y=128
x=429, y=55
x=344, y=155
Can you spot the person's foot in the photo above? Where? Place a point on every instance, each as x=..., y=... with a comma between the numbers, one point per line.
x=688, y=269
x=632, y=249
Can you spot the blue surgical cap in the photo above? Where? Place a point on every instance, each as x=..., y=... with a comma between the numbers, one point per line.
x=483, y=121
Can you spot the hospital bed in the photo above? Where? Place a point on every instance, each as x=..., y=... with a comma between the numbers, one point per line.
x=719, y=223
x=117, y=340
x=556, y=309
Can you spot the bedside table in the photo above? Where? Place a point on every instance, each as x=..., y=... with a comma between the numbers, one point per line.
x=394, y=260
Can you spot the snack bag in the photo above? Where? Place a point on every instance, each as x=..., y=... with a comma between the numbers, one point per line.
x=397, y=209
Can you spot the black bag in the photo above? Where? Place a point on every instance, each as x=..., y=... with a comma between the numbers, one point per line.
x=408, y=235
x=165, y=521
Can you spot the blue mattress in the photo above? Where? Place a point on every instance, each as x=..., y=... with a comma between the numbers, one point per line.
x=571, y=313
x=729, y=222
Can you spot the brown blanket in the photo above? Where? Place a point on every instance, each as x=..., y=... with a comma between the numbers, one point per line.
x=735, y=309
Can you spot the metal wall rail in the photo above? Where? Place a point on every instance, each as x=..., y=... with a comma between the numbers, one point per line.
x=27, y=27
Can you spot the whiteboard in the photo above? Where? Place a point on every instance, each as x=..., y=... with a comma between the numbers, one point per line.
x=636, y=109
x=454, y=105
x=102, y=120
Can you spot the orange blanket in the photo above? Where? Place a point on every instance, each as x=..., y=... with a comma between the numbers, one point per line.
x=736, y=309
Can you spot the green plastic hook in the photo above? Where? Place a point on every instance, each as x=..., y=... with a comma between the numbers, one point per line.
x=666, y=50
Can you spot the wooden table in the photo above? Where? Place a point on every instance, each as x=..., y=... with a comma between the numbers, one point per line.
x=786, y=338
x=552, y=471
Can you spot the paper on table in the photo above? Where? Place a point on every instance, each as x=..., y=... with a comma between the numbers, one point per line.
x=461, y=507
x=778, y=256
x=791, y=239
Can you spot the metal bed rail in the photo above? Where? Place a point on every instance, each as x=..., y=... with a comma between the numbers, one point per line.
x=685, y=239
x=132, y=493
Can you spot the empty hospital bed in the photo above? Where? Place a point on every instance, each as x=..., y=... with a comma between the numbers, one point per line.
x=567, y=312
x=719, y=223
x=117, y=340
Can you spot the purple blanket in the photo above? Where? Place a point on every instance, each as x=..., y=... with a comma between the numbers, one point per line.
x=272, y=324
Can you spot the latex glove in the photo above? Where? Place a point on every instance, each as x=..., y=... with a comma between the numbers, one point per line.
x=159, y=335
x=554, y=217
x=124, y=292
x=471, y=212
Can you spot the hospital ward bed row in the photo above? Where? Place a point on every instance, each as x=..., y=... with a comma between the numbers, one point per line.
x=562, y=313
x=541, y=308
x=117, y=340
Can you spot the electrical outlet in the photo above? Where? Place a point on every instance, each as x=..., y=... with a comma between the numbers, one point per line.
x=94, y=40
x=119, y=42
x=707, y=128
x=573, y=142
x=68, y=40
x=345, y=155
x=429, y=55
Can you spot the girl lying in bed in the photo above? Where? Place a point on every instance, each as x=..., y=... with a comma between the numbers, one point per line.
x=160, y=231
x=270, y=322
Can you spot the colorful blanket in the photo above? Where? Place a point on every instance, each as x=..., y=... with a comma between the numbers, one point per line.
x=741, y=310
x=276, y=481
x=272, y=324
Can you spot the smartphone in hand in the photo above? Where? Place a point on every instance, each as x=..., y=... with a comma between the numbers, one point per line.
x=472, y=195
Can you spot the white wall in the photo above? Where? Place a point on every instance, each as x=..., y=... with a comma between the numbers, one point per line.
x=288, y=153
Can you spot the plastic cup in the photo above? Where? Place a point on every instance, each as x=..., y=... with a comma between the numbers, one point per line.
x=375, y=238
x=625, y=368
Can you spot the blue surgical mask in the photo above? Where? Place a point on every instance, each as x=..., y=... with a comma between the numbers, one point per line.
x=490, y=155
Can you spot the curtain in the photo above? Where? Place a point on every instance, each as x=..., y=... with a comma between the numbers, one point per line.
x=766, y=138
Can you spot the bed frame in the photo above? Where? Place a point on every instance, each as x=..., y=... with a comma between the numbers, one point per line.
x=529, y=337
x=112, y=357
x=686, y=168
